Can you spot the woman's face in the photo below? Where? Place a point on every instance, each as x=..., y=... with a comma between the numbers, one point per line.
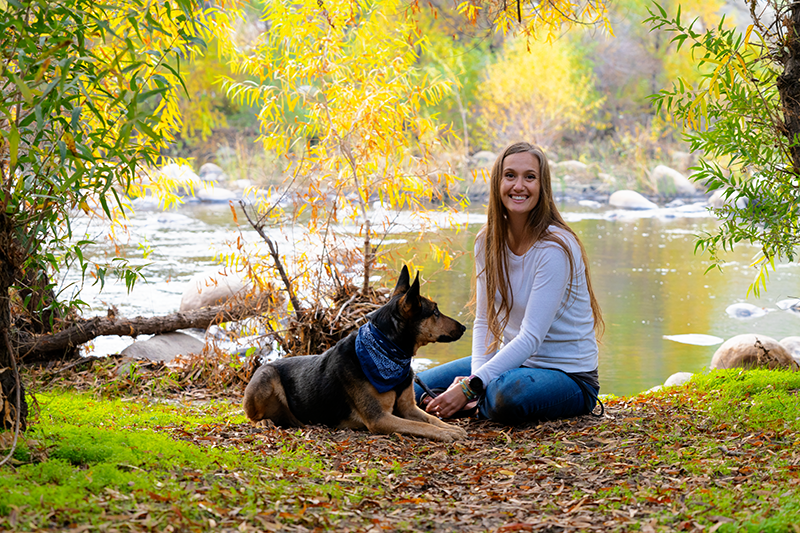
x=520, y=184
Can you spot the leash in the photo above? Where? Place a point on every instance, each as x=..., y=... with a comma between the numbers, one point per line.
x=427, y=389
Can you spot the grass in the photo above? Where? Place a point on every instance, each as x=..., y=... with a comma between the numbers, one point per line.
x=720, y=453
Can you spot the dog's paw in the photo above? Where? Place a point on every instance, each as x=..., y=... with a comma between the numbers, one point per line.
x=453, y=433
x=265, y=423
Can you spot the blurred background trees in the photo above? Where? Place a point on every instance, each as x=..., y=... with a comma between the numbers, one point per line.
x=584, y=83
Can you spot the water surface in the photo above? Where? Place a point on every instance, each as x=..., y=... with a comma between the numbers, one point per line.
x=648, y=280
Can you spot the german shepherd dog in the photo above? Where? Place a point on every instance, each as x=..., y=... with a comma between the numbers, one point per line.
x=365, y=380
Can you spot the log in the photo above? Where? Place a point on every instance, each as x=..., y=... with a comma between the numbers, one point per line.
x=47, y=347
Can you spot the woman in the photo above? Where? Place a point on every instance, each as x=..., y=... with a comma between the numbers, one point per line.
x=534, y=351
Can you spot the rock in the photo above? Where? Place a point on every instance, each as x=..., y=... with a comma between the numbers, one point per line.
x=571, y=167
x=671, y=182
x=678, y=378
x=184, y=178
x=790, y=304
x=590, y=204
x=697, y=339
x=205, y=290
x=211, y=172
x=216, y=195
x=745, y=310
x=484, y=157
x=718, y=200
x=676, y=203
x=627, y=199
x=752, y=351
x=792, y=345
x=164, y=347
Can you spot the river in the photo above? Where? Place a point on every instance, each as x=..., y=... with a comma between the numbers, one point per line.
x=650, y=284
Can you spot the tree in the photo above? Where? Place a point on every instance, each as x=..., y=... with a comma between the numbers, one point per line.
x=87, y=101
x=339, y=100
x=744, y=116
x=545, y=95
x=341, y=97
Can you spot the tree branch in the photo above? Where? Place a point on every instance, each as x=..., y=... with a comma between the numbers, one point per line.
x=53, y=346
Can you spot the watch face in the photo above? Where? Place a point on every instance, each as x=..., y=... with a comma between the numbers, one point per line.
x=476, y=384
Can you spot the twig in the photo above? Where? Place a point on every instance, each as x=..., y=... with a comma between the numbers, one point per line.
x=335, y=320
x=273, y=251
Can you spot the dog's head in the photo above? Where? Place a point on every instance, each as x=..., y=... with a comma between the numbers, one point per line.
x=411, y=321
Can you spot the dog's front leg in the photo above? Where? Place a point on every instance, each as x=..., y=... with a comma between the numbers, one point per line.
x=406, y=407
x=388, y=423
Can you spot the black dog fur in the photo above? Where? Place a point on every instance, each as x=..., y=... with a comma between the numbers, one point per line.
x=331, y=389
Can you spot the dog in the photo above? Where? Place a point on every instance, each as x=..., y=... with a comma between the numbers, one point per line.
x=365, y=380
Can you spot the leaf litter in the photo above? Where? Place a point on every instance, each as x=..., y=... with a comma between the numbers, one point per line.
x=654, y=462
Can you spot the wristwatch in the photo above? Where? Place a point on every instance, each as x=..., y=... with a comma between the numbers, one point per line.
x=476, y=384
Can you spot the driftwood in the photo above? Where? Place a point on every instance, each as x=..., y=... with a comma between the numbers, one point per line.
x=59, y=345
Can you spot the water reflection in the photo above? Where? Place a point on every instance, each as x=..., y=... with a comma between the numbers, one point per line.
x=650, y=285
x=646, y=277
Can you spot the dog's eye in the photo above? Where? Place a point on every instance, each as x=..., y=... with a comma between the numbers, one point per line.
x=436, y=313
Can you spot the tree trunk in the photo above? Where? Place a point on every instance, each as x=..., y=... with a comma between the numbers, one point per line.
x=56, y=346
x=9, y=378
x=789, y=83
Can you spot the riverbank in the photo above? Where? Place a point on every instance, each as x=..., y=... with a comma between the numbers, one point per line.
x=717, y=454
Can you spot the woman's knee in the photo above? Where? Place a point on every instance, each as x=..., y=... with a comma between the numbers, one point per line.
x=518, y=397
x=504, y=401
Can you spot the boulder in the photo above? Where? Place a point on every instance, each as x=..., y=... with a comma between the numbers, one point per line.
x=211, y=172
x=678, y=378
x=571, y=166
x=752, y=351
x=164, y=347
x=671, y=182
x=792, y=345
x=183, y=177
x=216, y=195
x=718, y=200
x=206, y=290
x=628, y=199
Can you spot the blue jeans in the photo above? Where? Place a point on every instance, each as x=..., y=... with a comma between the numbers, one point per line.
x=519, y=395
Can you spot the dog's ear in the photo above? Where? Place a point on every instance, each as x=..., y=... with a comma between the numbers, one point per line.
x=410, y=303
x=402, y=283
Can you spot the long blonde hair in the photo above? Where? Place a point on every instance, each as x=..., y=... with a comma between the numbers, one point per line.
x=495, y=235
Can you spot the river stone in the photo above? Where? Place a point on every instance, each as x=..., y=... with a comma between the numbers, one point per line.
x=745, y=310
x=184, y=178
x=211, y=172
x=164, y=347
x=627, y=199
x=484, y=157
x=215, y=195
x=678, y=378
x=752, y=351
x=670, y=181
x=207, y=290
x=571, y=166
x=792, y=345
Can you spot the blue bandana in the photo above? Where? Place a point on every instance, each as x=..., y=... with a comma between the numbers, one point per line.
x=385, y=365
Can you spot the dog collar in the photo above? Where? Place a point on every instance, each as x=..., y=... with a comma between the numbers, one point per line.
x=383, y=362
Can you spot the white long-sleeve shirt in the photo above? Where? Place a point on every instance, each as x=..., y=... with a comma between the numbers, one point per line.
x=549, y=326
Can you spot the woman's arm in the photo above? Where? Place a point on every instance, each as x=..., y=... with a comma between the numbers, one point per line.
x=480, y=328
x=550, y=282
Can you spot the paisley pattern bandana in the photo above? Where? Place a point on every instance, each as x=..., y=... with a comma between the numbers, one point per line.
x=385, y=365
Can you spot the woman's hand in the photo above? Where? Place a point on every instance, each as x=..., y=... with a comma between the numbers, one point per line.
x=449, y=402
